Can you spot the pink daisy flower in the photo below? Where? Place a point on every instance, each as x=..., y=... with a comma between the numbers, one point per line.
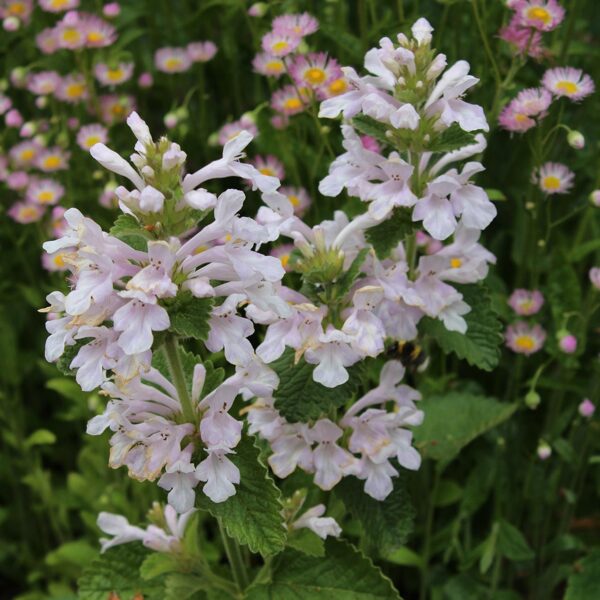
x=569, y=82
x=172, y=60
x=17, y=180
x=24, y=154
x=57, y=6
x=115, y=75
x=287, y=101
x=522, y=39
x=44, y=192
x=91, y=134
x=283, y=253
x=231, y=130
x=279, y=44
x=534, y=101
x=58, y=225
x=543, y=15
x=269, y=165
x=337, y=85
x=314, y=70
x=70, y=32
x=55, y=261
x=268, y=65
x=299, y=198
x=43, y=83
x=18, y=9
x=523, y=338
x=370, y=143
x=594, y=276
x=514, y=118
x=25, y=212
x=298, y=25
x=115, y=108
x=72, y=89
x=201, y=51
x=98, y=32
x=52, y=159
x=526, y=302
x=554, y=178
x=47, y=40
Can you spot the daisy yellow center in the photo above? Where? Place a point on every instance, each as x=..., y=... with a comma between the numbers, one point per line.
x=539, y=13
x=267, y=171
x=75, y=90
x=57, y=4
x=568, y=87
x=59, y=261
x=292, y=104
x=294, y=200
x=338, y=86
x=172, y=63
x=551, y=182
x=280, y=46
x=114, y=74
x=455, y=263
x=16, y=9
x=526, y=305
x=117, y=110
x=285, y=259
x=45, y=196
x=274, y=66
x=52, y=162
x=315, y=76
x=520, y=117
x=71, y=35
x=95, y=37
x=525, y=342
x=29, y=212
x=227, y=237
x=91, y=140
x=27, y=154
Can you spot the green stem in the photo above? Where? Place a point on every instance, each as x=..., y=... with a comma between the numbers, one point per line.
x=426, y=553
x=171, y=348
x=236, y=562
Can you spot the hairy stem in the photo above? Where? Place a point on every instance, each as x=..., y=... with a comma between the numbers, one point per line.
x=236, y=561
x=171, y=348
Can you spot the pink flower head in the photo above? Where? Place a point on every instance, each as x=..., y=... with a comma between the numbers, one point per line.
x=554, y=178
x=98, y=32
x=111, y=10
x=314, y=70
x=595, y=198
x=594, y=276
x=13, y=118
x=279, y=121
x=299, y=198
x=543, y=15
x=287, y=101
x=113, y=75
x=544, y=451
x=370, y=143
x=523, y=338
x=231, y=130
x=523, y=39
x=283, y=253
x=115, y=108
x=17, y=9
x=513, y=118
x=269, y=165
x=587, y=408
x=55, y=261
x=569, y=82
x=298, y=25
x=268, y=65
x=70, y=32
x=91, y=134
x=17, y=180
x=534, y=102
x=5, y=103
x=567, y=343
x=52, y=159
x=44, y=192
x=24, y=154
x=11, y=24
x=25, y=212
x=526, y=302
x=58, y=223
x=47, y=40
x=72, y=89
x=57, y=6
x=172, y=60
x=279, y=44
x=44, y=83
x=201, y=51
x=145, y=80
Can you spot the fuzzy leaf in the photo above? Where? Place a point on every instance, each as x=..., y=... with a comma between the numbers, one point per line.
x=450, y=139
x=454, y=420
x=479, y=346
x=512, y=544
x=128, y=230
x=189, y=316
x=64, y=362
x=564, y=290
x=585, y=582
x=386, y=524
x=371, y=127
x=388, y=234
x=117, y=571
x=346, y=281
x=253, y=515
x=344, y=574
x=300, y=398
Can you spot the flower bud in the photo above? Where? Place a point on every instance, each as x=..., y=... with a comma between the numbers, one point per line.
x=13, y=118
x=18, y=77
x=145, y=80
x=41, y=101
x=532, y=399
x=543, y=450
x=595, y=198
x=171, y=120
x=111, y=10
x=587, y=408
x=11, y=24
x=28, y=129
x=258, y=9
x=575, y=139
x=567, y=342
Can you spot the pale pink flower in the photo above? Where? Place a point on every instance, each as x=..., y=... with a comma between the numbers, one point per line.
x=98, y=32
x=145, y=80
x=17, y=180
x=18, y=9
x=298, y=25
x=298, y=197
x=47, y=40
x=25, y=212
x=523, y=39
x=313, y=519
x=52, y=159
x=526, y=302
x=57, y=6
x=72, y=89
x=283, y=253
x=44, y=83
x=567, y=343
x=279, y=44
x=554, y=178
x=265, y=64
x=172, y=60
x=201, y=51
x=44, y=192
x=523, y=338
x=314, y=70
x=587, y=408
x=569, y=82
x=114, y=108
x=55, y=262
x=594, y=276
x=534, y=102
x=91, y=134
x=232, y=130
x=269, y=165
x=58, y=224
x=13, y=118
x=24, y=154
x=287, y=101
x=111, y=10
x=543, y=15
x=113, y=75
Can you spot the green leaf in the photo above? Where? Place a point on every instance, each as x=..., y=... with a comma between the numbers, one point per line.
x=307, y=542
x=253, y=515
x=489, y=550
x=62, y=364
x=371, y=127
x=405, y=557
x=512, y=544
x=386, y=524
x=478, y=486
x=189, y=316
x=158, y=563
x=450, y=139
x=40, y=437
x=495, y=195
x=388, y=234
x=346, y=281
x=117, y=571
x=448, y=492
x=343, y=574
x=563, y=290
x=454, y=420
x=183, y=586
x=480, y=345
x=128, y=230
x=300, y=398
x=585, y=582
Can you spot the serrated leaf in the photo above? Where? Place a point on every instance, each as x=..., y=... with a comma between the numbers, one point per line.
x=128, y=230
x=512, y=544
x=387, y=235
x=585, y=582
x=346, y=281
x=480, y=345
x=117, y=571
x=450, y=139
x=300, y=398
x=189, y=316
x=307, y=542
x=158, y=563
x=405, y=557
x=62, y=364
x=183, y=586
x=343, y=574
x=386, y=524
x=253, y=515
x=371, y=127
x=454, y=420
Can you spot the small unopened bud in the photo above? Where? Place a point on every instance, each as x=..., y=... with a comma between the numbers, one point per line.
x=530, y=205
x=111, y=10
x=532, y=399
x=145, y=80
x=18, y=77
x=11, y=24
x=97, y=174
x=13, y=118
x=258, y=9
x=28, y=129
x=541, y=243
x=543, y=450
x=41, y=101
x=587, y=408
x=567, y=342
x=575, y=139
x=595, y=198
x=171, y=120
